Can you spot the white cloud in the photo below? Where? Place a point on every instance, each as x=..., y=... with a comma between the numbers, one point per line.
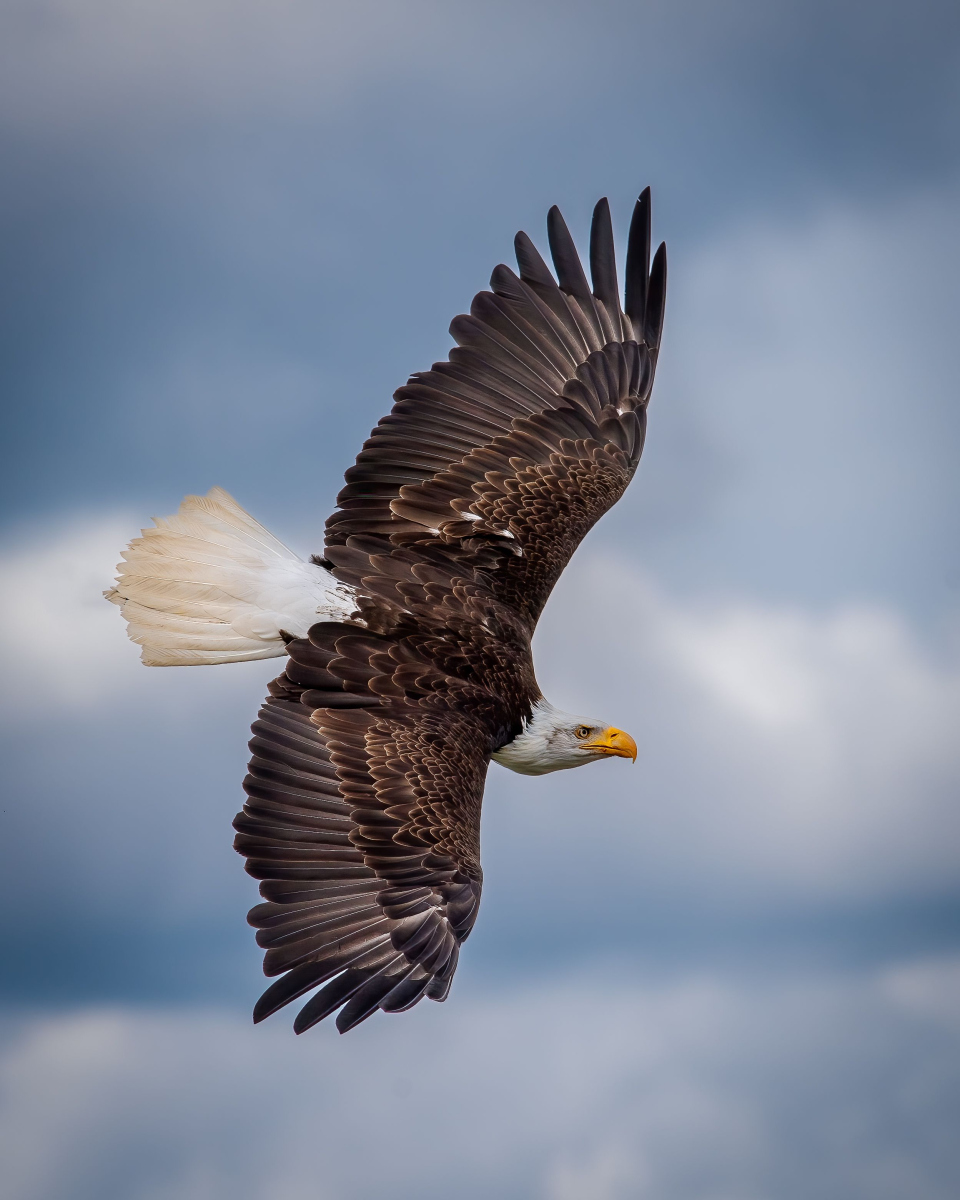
x=803, y=432
x=929, y=989
x=71, y=67
x=808, y=753
x=57, y=629
x=210, y=56
x=62, y=645
x=594, y=1089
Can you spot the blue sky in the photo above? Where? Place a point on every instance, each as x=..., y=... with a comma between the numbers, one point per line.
x=229, y=232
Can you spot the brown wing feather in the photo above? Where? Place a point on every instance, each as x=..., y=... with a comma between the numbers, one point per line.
x=530, y=432
x=363, y=822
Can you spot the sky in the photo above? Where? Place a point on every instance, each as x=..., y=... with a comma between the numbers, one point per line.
x=228, y=231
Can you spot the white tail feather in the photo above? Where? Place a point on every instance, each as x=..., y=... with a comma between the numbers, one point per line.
x=211, y=585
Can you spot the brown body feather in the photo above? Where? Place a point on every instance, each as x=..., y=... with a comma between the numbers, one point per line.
x=464, y=507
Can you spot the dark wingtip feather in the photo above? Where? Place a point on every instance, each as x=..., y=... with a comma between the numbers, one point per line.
x=406, y=994
x=656, y=299
x=565, y=257
x=603, y=260
x=289, y=987
x=504, y=282
x=366, y=1000
x=638, y=259
x=329, y=999
x=532, y=267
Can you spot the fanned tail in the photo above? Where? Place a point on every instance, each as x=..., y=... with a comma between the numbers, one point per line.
x=211, y=585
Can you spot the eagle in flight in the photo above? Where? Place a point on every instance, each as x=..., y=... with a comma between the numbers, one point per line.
x=407, y=641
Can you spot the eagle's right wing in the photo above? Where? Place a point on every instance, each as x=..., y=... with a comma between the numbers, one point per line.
x=363, y=822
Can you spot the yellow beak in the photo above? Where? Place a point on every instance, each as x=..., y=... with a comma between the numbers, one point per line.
x=615, y=743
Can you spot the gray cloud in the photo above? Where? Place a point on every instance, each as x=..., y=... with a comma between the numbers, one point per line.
x=290, y=205
x=824, y=71
x=803, y=428
x=603, y=1086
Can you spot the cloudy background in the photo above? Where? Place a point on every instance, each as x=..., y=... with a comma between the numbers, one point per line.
x=732, y=972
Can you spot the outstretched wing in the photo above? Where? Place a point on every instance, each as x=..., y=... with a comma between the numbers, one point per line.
x=363, y=822
x=529, y=433
x=462, y=510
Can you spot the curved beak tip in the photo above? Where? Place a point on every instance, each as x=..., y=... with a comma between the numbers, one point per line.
x=615, y=743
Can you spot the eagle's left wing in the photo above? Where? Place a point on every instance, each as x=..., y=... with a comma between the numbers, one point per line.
x=363, y=822
x=522, y=440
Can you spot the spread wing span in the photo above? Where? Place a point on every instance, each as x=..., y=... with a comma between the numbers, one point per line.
x=531, y=430
x=464, y=506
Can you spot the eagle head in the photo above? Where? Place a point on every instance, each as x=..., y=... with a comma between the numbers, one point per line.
x=556, y=741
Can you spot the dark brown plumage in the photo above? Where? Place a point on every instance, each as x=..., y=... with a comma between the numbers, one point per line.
x=463, y=508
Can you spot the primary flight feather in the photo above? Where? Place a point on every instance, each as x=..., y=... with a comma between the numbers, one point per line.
x=408, y=641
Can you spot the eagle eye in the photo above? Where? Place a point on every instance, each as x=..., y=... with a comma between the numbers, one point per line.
x=582, y=731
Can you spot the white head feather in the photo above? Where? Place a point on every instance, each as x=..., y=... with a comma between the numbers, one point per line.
x=556, y=741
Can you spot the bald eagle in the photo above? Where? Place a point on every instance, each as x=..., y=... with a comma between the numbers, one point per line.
x=408, y=640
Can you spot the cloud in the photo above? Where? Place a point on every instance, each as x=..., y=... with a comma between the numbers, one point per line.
x=692, y=73
x=62, y=643
x=602, y=1087
x=801, y=753
x=209, y=57
x=54, y=617
x=801, y=434
x=76, y=69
